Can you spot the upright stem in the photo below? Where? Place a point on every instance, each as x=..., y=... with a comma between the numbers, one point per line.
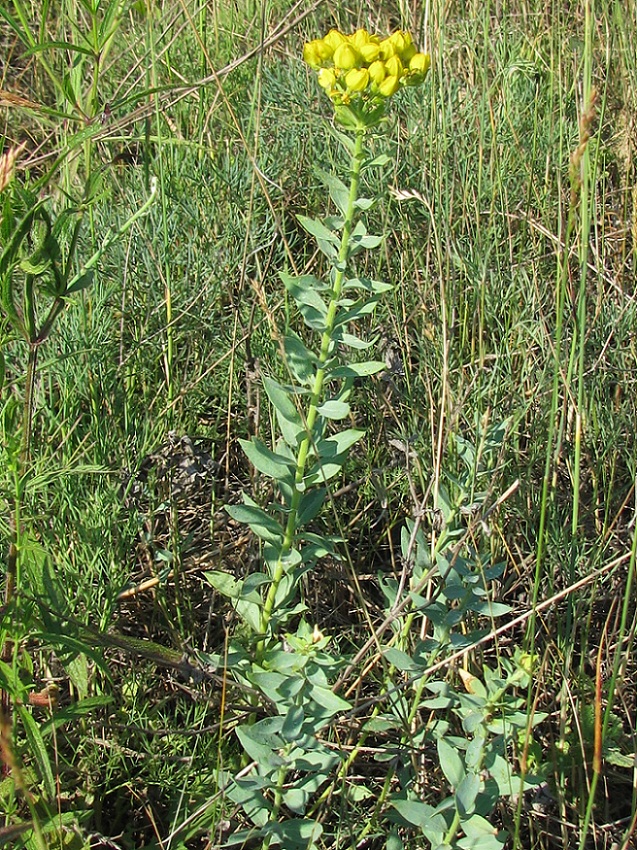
x=317, y=389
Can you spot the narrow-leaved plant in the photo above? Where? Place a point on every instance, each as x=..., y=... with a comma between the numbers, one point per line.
x=294, y=772
x=360, y=73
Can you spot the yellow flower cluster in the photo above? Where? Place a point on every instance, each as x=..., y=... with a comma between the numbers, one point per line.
x=362, y=67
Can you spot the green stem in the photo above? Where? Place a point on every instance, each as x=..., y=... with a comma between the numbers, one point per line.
x=317, y=389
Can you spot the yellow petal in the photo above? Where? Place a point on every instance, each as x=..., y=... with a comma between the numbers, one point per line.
x=311, y=54
x=357, y=79
x=394, y=67
x=359, y=39
x=370, y=52
x=326, y=78
x=334, y=39
x=377, y=72
x=345, y=57
x=420, y=62
x=389, y=86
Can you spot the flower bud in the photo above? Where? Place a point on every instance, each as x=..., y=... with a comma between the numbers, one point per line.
x=326, y=78
x=334, y=39
x=407, y=53
x=359, y=39
x=311, y=54
x=357, y=79
x=387, y=49
x=370, y=52
x=389, y=86
x=377, y=72
x=394, y=67
x=345, y=57
x=420, y=63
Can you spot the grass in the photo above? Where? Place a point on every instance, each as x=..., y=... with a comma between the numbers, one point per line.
x=515, y=300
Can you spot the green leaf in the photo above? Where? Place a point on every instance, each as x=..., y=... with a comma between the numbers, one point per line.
x=451, y=763
x=310, y=505
x=380, y=160
x=466, y=794
x=300, y=360
x=358, y=370
x=293, y=833
x=261, y=523
x=38, y=751
x=325, y=238
x=488, y=608
x=339, y=192
x=293, y=723
x=401, y=661
x=413, y=811
x=287, y=415
x=266, y=461
x=328, y=700
x=71, y=713
x=333, y=409
x=339, y=443
x=364, y=203
x=343, y=138
x=82, y=282
x=352, y=341
x=225, y=583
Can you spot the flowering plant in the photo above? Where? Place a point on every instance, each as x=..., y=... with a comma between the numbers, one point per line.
x=293, y=672
x=361, y=71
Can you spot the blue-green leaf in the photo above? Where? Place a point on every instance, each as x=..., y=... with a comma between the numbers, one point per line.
x=304, y=289
x=317, y=229
x=400, y=660
x=339, y=443
x=489, y=609
x=327, y=241
x=466, y=794
x=287, y=415
x=413, y=811
x=311, y=503
x=260, y=742
x=378, y=287
x=293, y=723
x=82, y=282
x=358, y=370
x=364, y=203
x=324, y=470
x=450, y=762
x=301, y=833
x=261, y=523
x=360, y=309
x=339, y=192
x=333, y=409
x=266, y=461
x=328, y=700
x=380, y=160
x=352, y=341
x=481, y=835
x=300, y=360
